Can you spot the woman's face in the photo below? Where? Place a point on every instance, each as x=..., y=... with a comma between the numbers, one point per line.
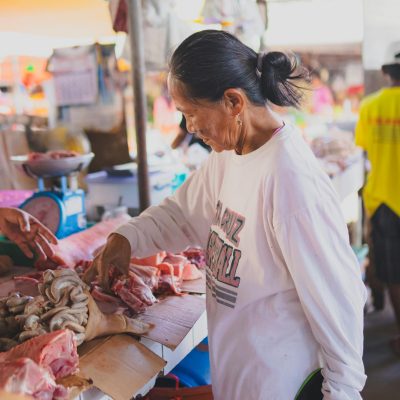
x=213, y=122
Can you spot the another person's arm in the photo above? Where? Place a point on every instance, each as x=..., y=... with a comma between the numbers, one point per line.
x=179, y=138
x=32, y=237
x=314, y=243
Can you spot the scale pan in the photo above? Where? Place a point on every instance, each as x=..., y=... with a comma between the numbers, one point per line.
x=49, y=167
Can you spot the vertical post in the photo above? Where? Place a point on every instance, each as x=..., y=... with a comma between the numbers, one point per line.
x=140, y=111
x=18, y=100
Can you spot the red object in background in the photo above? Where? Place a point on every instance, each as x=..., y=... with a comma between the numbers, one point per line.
x=355, y=89
x=194, y=393
x=36, y=74
x=119, y=15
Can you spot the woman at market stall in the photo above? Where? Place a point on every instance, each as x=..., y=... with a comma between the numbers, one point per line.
x=32, y=237
x=284, y=291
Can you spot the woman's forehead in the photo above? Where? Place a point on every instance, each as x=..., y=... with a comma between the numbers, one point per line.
x=176, y=88
x=183, y=102
x=178, y=93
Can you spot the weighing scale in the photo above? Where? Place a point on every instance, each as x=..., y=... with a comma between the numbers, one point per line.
x=61, y=209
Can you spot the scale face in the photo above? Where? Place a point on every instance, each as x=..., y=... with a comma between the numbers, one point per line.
x=62, y=212
x=46, y=209
x=62, y=209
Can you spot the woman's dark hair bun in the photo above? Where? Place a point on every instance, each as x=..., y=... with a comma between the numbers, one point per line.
x=279, y=76
x=210, y=62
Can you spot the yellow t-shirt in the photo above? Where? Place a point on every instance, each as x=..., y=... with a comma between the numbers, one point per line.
x=378, y=133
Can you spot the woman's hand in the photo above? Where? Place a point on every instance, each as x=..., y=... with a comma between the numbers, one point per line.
x=116, y=253
x=31, y=236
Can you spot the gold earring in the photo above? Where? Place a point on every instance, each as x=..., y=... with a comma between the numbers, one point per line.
x=238, y=120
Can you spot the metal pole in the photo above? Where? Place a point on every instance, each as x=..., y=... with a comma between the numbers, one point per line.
x=140, y=111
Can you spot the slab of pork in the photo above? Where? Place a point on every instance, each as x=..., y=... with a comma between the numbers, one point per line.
x=82, y=245
x=55, y=351
x=24, y=376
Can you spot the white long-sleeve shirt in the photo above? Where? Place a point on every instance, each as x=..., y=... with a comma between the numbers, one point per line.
x=284, y=289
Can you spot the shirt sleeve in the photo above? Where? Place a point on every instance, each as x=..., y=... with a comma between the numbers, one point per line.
x=315, y=246
x=181, y=220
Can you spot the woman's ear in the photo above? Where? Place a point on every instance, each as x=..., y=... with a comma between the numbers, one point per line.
x=234, y=101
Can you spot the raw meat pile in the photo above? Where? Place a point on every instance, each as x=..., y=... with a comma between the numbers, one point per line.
x=32, y=367
x=81, y=246
x=52, y=155
x=64, y=302
x=155, y=275
x=64, y=308
x=335, y=151
x=24, y=376
x=64, y=314
x=149, y=277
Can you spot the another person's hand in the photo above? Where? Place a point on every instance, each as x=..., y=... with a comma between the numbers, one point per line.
x=116, y=253
x=31, y=236
x=179, y=138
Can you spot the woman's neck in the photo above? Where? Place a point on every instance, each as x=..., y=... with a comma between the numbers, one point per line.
x=259, y=125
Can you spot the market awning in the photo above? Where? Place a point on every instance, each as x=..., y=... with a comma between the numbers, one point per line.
x=36, y=27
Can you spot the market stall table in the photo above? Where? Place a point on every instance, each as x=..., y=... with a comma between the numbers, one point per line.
x=122, y=366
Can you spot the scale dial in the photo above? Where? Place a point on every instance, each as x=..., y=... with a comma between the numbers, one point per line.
x=46, y=210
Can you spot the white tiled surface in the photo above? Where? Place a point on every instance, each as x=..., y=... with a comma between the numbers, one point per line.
x=200, y=330
x=173, y=357
x=192, y=339
x=93, y=394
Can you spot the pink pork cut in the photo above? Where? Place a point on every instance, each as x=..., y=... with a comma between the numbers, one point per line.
x=100, y=295
x=82, y=245
x=124, y=292
x=178, y=262
x=55, y=351
x=168, y=281
x=191, y=272
x=151, y=261
x=196, y=256
x=24, y=376
x=108, y=303
x=134, y=292
x=149, y=275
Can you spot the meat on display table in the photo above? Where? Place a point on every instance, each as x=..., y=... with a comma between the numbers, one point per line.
x=122, y=366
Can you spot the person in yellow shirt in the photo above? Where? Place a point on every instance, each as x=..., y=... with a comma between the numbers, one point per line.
x=378, y=133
